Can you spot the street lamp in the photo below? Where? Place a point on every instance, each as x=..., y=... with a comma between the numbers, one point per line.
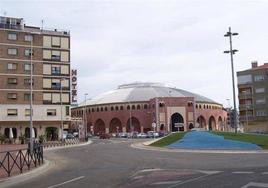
x=85, y=117
x=31, y=91
x=232, y=52
x=130, y=118
x=61, y=118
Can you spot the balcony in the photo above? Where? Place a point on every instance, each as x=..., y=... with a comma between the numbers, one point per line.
x=246, y=118
x=245, y=106
x=246, y=95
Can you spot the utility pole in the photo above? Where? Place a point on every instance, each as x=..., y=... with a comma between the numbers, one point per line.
x=232, y=52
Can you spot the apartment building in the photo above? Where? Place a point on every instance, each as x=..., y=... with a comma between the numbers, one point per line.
x=49, y=52
x=253, y=98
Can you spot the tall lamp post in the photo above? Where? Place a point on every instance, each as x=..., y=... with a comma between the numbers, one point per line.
x=85, y=116
x=61, y=116
x=31, y=90
x=232, y=52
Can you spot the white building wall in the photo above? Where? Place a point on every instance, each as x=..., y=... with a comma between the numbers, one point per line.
x=39, y=113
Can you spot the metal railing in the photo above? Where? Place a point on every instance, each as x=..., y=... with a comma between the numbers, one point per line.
x=17, y=161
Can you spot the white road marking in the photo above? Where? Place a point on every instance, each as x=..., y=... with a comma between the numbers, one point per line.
x=138, y=177
x=166, y=182
x=69, y=181
x=243, y=172
x=150, y=170
x=265, y=173
x=255, y=184
x=210, y=172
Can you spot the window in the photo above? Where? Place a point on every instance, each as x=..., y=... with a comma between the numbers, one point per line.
x=55, y=84
x=261, y=113
x=47, y=98
x=112, y=108
x=27, y=97
x=12, y=81
x=12, y=51
x=51, y=112
x=116, y=108
x=27, y=52
x=260, y=101
x=259, y=90
x=12, y=36
x=121, y=107
x=258, y=78
x=28, y=38
x=12, y=66
x=55, y=70
x=55, y=55
x=12, y=112
x=27, y=112
x=243, y=79
x=145, y=106
x=27, y=67
x=138, y=107
x=67, y=110
x=27, y=81
x=12, y=96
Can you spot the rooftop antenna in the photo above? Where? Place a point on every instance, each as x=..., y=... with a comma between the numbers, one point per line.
x=42, y=22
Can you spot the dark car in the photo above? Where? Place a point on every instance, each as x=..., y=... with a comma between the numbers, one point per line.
x=70, y=136
x=104, y=136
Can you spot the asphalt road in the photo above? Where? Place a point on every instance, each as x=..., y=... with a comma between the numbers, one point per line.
x=113, y=163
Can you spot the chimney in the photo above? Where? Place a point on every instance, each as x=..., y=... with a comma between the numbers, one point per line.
x=254, y=64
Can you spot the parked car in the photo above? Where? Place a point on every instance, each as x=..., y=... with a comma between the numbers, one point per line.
x=70, y=136
x=152, y=134
x=142, y=135
x=104, y=136
x=122, y=135
x=76, y=134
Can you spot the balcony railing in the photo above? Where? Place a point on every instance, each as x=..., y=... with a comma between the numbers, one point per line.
x=246, y=118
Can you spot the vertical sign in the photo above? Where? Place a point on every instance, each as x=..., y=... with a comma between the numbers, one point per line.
x=74, y=86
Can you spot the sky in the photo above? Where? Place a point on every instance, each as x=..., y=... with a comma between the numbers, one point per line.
x=177, y=42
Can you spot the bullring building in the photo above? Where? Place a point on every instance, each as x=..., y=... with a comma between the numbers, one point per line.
x=136, y=106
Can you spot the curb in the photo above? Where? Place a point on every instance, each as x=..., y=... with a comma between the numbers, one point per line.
x=25, y=176
x=68, y=146
x=144, y=146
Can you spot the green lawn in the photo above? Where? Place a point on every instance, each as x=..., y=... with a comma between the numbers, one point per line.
x=168, y=139
x=260, y=140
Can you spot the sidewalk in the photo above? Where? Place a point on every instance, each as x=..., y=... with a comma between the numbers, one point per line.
x=12, y=149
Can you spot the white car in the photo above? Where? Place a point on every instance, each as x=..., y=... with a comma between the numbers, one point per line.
x=142, y=135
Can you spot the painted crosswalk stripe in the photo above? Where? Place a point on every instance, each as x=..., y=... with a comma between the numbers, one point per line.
x=165, y=182
x=243, y=172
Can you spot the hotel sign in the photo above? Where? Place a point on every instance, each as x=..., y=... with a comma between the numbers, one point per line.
x=74, y=86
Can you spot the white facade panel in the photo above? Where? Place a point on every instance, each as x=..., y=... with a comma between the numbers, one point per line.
x=39, y=113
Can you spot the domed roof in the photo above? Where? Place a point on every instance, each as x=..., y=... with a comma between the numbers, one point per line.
x=142, y=91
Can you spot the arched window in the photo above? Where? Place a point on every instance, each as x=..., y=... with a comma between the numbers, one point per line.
x=138, y=107
x=145, y=106
x=128, y=107
x=121, y=108
x=200, y=106
x=89, y=110
x=196, y=106
x=101, y=109
x=98, y=109
x=133, y=107
x=116, y=108
x=207, y=106
x=112, y=108
x=93, y=110
x=105, y=109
